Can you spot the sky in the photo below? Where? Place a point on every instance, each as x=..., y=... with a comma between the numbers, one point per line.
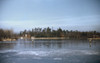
x=82, y=15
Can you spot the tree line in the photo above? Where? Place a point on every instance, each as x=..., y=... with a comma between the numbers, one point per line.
x=5, y=34
x=49, y=32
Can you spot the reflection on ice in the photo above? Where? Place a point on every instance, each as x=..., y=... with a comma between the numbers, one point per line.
x=36, y=53
x=43, y=53
x=7, y=51
x=57, y=58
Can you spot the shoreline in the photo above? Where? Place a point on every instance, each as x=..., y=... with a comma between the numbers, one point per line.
x=50, y=38
x=90, y=39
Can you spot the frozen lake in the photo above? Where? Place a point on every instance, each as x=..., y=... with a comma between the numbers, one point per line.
x=50, y=51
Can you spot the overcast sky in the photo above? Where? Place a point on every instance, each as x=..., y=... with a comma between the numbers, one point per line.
x=83, y=15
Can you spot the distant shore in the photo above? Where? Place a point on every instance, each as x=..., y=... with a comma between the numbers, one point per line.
x=63, y=38
x=94, y=38
x=9, y=39
x=50, y=38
